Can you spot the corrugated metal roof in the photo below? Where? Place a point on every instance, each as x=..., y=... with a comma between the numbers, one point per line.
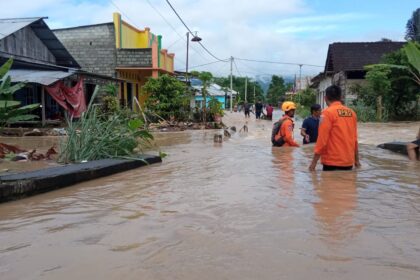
x=9, y=26
x=214, y=90
x=41, y=77
x=44, y=33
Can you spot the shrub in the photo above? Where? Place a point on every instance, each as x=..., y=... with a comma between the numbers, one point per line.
x=95, y=136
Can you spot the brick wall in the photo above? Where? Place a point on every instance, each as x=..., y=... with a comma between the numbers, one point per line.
x=93, y=47
x=134, y=57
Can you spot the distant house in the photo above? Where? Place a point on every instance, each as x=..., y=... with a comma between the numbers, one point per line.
x=43, y=63
x=213, y=90
x=119, y=50
x=345, y=66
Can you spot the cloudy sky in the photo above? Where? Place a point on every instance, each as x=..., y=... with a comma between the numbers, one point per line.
x=294, y=31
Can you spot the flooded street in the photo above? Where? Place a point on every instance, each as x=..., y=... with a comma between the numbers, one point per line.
x=236, y=210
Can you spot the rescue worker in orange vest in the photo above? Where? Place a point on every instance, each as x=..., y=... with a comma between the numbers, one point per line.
x=337, y=144
x=287, y=126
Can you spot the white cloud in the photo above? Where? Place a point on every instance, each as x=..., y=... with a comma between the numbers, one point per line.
x=265, y=30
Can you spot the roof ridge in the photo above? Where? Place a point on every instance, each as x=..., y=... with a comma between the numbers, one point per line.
x=82, y=26
x=25, y=18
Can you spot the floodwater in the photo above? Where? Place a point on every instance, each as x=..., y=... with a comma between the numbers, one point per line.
x=236, y=210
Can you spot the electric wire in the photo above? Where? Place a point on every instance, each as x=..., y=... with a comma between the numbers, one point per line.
x=189, y=30
x=236, y=67
x=277, y=62
x=205, y=64
x=173, y=28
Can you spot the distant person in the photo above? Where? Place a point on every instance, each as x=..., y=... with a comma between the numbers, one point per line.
x=258, y=109
x=247, y=109
x=282, y=134
x=269, y=110
x=337, y=144
x=413, y=148
x=310, y=125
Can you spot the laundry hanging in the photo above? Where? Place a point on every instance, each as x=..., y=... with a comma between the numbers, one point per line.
x=71, y=99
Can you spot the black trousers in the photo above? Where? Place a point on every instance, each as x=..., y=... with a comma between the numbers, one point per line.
x=336, y=168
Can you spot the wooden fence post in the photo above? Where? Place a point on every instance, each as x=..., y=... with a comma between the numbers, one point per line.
x=379, y=108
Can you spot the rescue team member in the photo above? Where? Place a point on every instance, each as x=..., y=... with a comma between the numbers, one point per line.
x=413, y=148
x=337, y=136
x=287, y=125
x=310, y=125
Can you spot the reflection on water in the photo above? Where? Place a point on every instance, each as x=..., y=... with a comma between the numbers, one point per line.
x=239, y=210
x=337, y=193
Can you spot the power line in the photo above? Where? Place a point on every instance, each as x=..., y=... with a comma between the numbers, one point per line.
x=171, y=45
x=122, y=12
x=236, y=67
x=197, y=66
x=189, y=30
x=173, y=28
x=277, y=62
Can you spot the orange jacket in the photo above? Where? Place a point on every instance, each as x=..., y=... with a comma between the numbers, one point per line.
x=286, y=130
x=337, y=136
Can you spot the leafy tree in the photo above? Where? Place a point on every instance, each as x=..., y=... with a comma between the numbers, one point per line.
x=238, y=84
x=205, y=78
x=276, y=90
x=167, y=97
x=10, y=110
x=413, y=27
x=396, y=80
x=215, y=107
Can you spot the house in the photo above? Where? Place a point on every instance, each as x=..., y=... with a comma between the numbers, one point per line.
x=213, y=90
x=119, y=50
x=45, y=65
x=345, y=66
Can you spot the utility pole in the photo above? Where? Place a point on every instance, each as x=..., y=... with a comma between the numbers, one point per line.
x=300, y=80
x=231, y=82
x=300, y=76
x=186, y=67
x=246, y=89
x=254, y=92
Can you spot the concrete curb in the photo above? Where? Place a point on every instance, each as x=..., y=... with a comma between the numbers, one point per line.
x=20, y=185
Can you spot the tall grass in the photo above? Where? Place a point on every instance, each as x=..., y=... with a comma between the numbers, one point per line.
x=97, y=136
x=364, y=113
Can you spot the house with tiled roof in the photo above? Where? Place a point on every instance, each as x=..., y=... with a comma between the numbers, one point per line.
x=345, y=64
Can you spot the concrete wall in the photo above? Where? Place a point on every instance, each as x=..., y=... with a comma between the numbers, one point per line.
x=134, y=57
x=350, y=95
x=93, y=47
x=323, y=84
x=26, y=43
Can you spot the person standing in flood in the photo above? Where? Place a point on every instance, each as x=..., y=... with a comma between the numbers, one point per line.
x=282, y=134
x=247, y=108
x=337, y=143
x=310, y=125
x=258, y=109
x=413, y=148
x=269, y=110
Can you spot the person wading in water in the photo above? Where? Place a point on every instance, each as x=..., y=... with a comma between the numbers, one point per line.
x=282, y=134
x=337, y=144
x=310, y=125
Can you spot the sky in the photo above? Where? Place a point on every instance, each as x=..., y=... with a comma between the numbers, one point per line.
x=291, y=31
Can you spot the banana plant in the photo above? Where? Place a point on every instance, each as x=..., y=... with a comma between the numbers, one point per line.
x=412, y=51
x=10, y=110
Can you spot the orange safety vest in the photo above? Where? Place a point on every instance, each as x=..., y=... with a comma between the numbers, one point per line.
x=337, y=136
x=286, y=131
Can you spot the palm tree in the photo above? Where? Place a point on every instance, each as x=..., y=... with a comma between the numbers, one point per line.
x=205, y=78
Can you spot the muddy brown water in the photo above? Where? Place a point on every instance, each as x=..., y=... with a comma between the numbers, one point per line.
x=236, y=210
